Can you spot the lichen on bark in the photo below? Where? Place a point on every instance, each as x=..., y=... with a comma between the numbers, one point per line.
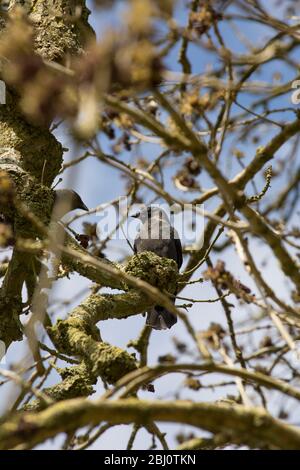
x=77, y=381
x=77, y=335
x=61, y=27
x=35, y=149
x=157, y=271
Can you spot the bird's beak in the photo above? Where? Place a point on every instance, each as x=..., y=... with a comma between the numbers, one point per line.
x=136, y=215
x=84, y=207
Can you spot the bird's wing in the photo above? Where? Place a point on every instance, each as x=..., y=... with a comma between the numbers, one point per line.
x=179, y=252
x=135, y=244
x=178, y=248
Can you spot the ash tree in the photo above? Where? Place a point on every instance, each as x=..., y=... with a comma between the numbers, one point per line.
x=187, y=102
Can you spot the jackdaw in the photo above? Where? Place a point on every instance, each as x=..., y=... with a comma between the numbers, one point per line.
x=66, y=200
x=156, y=234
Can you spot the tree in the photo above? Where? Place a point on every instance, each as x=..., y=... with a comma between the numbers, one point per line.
x=189, y=102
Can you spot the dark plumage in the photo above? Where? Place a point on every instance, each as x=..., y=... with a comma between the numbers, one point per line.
x=157, y=235
x=66, y=200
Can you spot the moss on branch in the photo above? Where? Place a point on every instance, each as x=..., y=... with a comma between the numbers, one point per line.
x=78, y=335
x=61, y=27
x=75, y=336
x=76, y=382
x=250, y=426
x=157, y=271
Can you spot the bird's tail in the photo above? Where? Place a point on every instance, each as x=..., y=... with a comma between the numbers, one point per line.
x=160, y=319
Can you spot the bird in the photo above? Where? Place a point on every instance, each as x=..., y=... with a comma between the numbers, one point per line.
x=66, y=200
x=157, y=235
